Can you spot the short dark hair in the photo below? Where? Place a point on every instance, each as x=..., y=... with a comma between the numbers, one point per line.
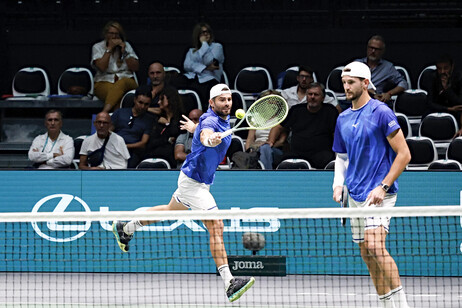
x=144, y=90
x=445, y=58
x=54, y=111
x=317, y=85
x=305, y=68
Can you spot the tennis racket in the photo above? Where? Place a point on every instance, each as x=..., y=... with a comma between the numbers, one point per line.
x=344, y=203
x=265, y=113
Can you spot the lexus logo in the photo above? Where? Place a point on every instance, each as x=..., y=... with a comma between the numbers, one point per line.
x=64, y=202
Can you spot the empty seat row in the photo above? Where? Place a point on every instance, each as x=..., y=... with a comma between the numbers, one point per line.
x=424, y=152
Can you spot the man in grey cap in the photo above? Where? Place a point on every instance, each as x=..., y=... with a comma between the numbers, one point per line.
x=371, y=154
x=193, y=192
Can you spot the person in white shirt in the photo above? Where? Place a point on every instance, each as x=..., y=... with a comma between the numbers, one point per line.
x=54, y=149
x=115, y=63
x=297, y=94
x=115, y=154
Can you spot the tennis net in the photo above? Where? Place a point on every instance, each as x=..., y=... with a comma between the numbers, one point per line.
x=299, y=258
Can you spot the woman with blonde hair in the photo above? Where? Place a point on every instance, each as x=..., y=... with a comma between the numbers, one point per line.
x=115, y=63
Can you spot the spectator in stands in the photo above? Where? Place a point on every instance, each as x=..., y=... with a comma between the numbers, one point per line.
x=166, y=127
x=312, y=126
x=104, y=149
x=54, y=149
x=297, y=94
x=387, y=80
x=134, y=124
x=446, y=91
x=184, y=141
x=203, y=64
x=115, y=63
x=258, y=137
x=156, y=75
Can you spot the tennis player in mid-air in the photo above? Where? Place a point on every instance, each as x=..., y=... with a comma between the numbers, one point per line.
x=193, y=192
x=371, y=154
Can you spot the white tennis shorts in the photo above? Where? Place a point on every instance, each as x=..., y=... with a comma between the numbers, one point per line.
x=359, y=225
x=193, y=194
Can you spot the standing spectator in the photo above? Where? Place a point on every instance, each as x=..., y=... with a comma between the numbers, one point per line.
x=134, y=124
x=203, y=64
x=297, y=94
x=184, y=141
x=54, y=149
x=446, y=91
x=371, y=154
x=387, y=80
x=115, y=63
x=166, y=127
x=103, y=149
x=312, y=126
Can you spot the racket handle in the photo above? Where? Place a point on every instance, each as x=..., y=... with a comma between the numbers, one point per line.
x=226, y=133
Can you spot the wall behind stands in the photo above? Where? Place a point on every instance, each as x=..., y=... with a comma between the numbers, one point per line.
x=322, y=252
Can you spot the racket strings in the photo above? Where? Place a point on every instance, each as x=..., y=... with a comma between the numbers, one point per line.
x=268, y=112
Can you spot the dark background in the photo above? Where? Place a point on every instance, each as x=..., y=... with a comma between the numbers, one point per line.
x=276, y=34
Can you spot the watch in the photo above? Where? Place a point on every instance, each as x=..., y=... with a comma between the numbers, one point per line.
x=108, y=51
x=385, y=187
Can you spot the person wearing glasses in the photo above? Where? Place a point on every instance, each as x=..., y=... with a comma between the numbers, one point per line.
x=134, y=124
x=297, y=94
x=54, y=149
x=203, y=65
x=104, y=149
x=115, y=63
x=387, y=80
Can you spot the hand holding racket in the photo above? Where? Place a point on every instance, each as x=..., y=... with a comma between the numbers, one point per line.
x=344, y=203
x=265, y=113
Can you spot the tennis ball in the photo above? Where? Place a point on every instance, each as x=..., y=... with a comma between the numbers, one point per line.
x=240, y=113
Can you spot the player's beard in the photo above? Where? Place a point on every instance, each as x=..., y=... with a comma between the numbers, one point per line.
x=353, y=95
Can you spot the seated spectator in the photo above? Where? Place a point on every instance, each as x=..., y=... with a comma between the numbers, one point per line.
x=103, y=149
x=446, y=91
x=297, y=94
x=115, y=63
x=166, y=127
x=258, y=137
x=184, y=141
x=134, y=125
x=312, y=126
x=387, y=80
x=54, y=149
x=156, y=73
x=203, y=64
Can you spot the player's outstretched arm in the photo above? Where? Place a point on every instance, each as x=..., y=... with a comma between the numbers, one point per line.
x=209, y=138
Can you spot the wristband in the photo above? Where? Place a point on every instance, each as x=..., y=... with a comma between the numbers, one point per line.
x=208, y=142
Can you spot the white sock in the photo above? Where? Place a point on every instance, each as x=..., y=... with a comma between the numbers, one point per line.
x=399, y=297
x=386, y=300
x=132, y=226
x=225, y=274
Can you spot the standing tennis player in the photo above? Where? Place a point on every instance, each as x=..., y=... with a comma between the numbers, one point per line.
x=371, y=154
x=193, y=192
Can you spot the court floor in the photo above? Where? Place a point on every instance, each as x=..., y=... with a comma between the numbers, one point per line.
x=206, y=291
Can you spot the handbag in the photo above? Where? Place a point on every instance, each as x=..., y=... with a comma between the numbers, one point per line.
x=96, y=157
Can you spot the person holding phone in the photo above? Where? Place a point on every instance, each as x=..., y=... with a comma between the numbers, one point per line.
x=203, y=64
x=115, y=63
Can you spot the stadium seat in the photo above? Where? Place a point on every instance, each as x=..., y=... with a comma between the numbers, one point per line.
x=153, y=163
x=412, y=103
x=190, y=100
x=423, y=152
x=128, y=100
x=445, y=164
x=426, y=78
x=30, y=82
x=294, y=164
x=334, y=82
x=405, y=74
x=76, y=77
x=330, y=165
x=251, y=81
x=455, y=150
x=404, y=123
x=441, y=128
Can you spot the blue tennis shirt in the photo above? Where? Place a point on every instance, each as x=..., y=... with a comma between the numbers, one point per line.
x=202, y=163
x=362, y=134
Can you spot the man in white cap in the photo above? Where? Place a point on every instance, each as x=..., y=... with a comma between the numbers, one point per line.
x=371, y=154
x=193, y=192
